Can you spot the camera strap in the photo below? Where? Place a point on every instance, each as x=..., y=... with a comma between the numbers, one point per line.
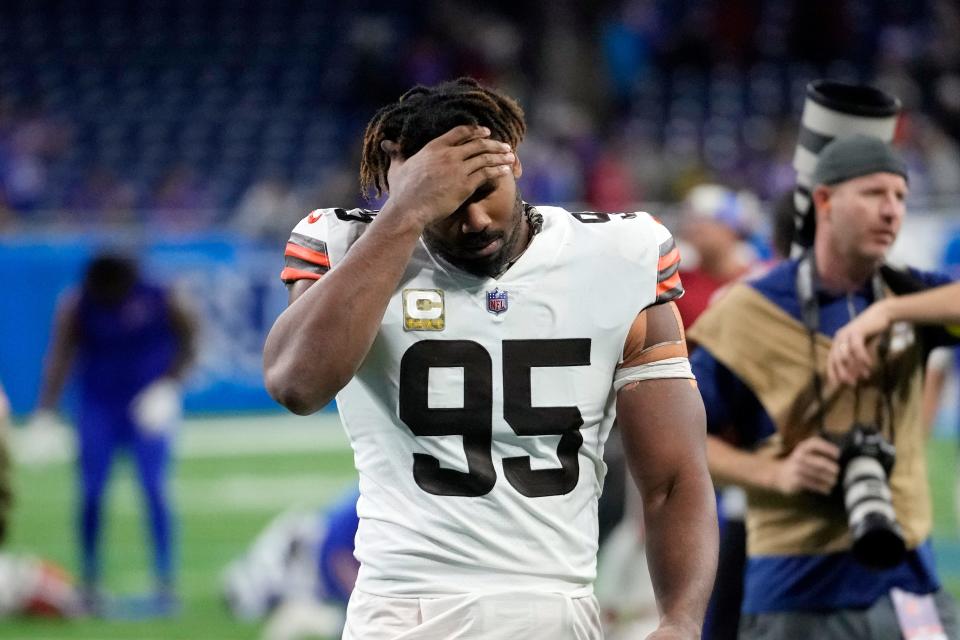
x=810, y=314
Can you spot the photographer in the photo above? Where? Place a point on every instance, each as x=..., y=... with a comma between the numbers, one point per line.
x=837, y=533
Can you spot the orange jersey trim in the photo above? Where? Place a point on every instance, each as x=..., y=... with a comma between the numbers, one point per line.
x=669, y=259
x=309, y=255
x=289, y=273
x=671, y=283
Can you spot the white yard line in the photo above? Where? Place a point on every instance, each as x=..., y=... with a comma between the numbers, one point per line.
x=248, y=492
x=208, y=437
x=261, y=434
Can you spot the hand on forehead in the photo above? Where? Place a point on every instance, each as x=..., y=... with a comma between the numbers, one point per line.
x=459, y=135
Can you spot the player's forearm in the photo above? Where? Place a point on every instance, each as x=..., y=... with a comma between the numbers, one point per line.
x=59, y=358
x=682, y=543
x=6, y=495
x=184, y=327
x=55, y=375
x=730, y=465
x=50, y=391
x=181, y=362
x=663, y=426
x=318, y=343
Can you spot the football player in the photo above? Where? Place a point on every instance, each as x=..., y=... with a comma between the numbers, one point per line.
x=299, y=572
x=129, y=344
x=478, y=348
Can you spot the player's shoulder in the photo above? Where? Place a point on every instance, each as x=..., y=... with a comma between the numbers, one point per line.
x=635, y=236
x=319, y=222
x=151, y=293
x=623, y=241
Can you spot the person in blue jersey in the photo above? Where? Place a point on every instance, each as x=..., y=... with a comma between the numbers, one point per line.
x=299, y=572
x=128, y=344
x=778, y=415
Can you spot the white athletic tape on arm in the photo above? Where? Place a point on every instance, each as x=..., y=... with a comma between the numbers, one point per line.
x=668, y=368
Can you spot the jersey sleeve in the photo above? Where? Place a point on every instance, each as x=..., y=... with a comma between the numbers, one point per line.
x=655, y=345
x=306, y=256
x=669, y=286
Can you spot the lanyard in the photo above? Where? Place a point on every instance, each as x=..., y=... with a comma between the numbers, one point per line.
x=810, y=313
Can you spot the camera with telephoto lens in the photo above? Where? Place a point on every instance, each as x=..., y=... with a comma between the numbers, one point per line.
x=866, y=459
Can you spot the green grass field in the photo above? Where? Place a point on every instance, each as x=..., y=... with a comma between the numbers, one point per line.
x=233, y=475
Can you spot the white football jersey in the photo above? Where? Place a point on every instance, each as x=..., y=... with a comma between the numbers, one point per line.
x=479, y=416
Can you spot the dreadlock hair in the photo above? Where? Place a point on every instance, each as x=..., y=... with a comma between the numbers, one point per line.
x=425, y=113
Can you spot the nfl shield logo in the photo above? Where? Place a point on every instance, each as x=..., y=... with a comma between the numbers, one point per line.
x=496, y=301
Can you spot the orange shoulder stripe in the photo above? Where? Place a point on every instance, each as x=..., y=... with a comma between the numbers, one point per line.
x=309, y=255
x=289, y=273
x=670, y=283
x=668, y=260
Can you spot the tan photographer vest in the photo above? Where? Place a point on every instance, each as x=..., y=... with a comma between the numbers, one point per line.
x=770, y=352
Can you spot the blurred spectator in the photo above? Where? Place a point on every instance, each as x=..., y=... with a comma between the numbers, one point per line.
x=942, y=157
x=130, y=344
x=267, y=210
x=552, y=172
x=29, y=143
x=610, y=184
x=181, y=201
x=102, y=197
x=715, y=223
x=8, y=217
x=706, y=88
x=628, y=47
x=427, y=61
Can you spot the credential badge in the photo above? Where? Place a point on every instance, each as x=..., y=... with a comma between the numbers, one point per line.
x=496, y=301
x=423, y=310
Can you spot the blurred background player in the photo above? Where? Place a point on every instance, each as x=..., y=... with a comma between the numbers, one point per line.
x=299, y=572
x=29, y=586
x=717, y=223
x=129, y=344
x=6, y=489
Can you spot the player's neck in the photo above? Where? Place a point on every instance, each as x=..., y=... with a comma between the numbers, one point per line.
x=524, y=237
